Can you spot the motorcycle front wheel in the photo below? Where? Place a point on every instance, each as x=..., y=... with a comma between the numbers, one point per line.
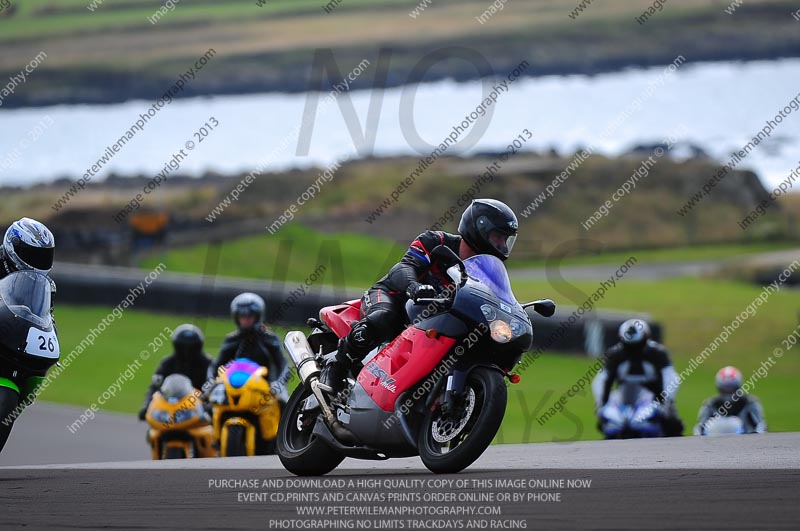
x=299, y=450
x=450, y=443
x=236, y=441
x=174, y=453
x=9, y=400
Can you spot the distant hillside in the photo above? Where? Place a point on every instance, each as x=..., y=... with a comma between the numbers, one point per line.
x=271, y=48
x=646, y=217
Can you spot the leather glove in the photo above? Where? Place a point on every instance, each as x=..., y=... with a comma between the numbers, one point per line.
x=143, y=414
x=418, y=291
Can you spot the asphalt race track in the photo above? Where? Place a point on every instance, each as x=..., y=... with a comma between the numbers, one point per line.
x=100, y=477
x=41, y=437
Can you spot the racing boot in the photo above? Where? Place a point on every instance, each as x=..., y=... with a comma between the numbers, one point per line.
x=335, y=371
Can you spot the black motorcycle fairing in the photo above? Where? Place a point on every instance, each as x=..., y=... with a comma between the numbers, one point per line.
x=445, y=325
x=370, y=423
x=467, y=304
x=14, y=333
x=465, y=316
x=323, y=339
x=367, y=452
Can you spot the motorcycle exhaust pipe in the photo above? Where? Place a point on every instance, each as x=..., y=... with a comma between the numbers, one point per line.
x=302, y=356
x=309, y=370
x=338, y=429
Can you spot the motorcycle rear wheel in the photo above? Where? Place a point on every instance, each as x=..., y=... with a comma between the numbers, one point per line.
x=9, y=400
x=299, y=450
x=462, y=441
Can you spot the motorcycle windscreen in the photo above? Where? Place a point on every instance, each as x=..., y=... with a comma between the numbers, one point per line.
x=176, y=387
x=27, y=295
x=240, y=370
x=491, y=272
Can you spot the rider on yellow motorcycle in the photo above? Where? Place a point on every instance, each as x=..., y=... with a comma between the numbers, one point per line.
x=188, y=358
x=179, y=425
x=253, y=340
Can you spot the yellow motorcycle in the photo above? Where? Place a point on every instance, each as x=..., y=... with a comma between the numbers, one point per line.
x=246, y=414
x=179, y=426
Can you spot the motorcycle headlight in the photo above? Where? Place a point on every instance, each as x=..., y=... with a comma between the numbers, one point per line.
x=517, y=328
x=489, y=312
x=501, y=331
x=160, y=415
x=217, y=395
x=184, y=414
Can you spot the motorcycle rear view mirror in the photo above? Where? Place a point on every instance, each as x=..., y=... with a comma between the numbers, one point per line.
x=447, y=258
x=544, y=307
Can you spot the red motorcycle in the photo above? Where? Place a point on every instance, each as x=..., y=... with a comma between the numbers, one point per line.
x=437, y=390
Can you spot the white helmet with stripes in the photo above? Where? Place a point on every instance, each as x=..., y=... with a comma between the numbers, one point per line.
x=634, y=332
x=28, y=245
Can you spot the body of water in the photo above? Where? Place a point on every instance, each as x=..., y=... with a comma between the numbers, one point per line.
x=717, y=107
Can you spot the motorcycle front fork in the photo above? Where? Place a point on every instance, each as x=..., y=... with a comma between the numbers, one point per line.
x=453, y=398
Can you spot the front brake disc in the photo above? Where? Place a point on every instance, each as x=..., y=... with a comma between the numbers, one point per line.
x=445, y=430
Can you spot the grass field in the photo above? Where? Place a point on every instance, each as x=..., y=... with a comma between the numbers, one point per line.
x=696, y=253
x=352, y=260
x=692, y=312
x=89, y=50
x=355, y=261
x=47, y=18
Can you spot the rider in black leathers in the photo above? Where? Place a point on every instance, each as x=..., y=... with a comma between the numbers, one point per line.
x=487, y=226
x=639, y=359
x=27, y=246
x=731, y=401
x=255, y=341
x=187, y=358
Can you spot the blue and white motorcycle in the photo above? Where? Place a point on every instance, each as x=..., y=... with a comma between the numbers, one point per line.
x=631, y=412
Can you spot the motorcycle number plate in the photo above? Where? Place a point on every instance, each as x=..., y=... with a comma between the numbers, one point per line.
x=42, y=344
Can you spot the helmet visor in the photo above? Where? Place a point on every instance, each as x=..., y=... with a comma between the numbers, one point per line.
x=36, y=257
x=186, y=350
x=246, y=320
x=501, y=239
x=632, y=336
x=727, y=388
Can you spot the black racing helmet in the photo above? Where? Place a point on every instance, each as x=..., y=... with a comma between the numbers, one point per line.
x=187, y=340
x=489, y=226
